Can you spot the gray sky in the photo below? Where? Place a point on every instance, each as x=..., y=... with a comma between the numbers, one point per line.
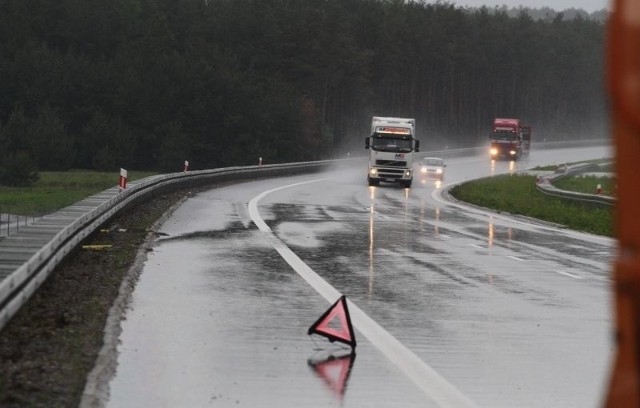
x=587, y=5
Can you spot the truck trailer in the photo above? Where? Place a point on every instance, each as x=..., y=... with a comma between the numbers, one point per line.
x=392, y=147
x=509, y=139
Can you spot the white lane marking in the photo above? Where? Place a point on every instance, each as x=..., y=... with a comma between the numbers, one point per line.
x=477, y=246
x=515, y=258
x=568, y=274
x=425, y=377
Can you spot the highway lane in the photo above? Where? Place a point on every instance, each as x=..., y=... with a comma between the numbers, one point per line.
x=504, y=312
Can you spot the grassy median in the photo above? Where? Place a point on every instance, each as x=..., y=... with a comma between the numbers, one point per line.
x=587, y=184
x=517, y=194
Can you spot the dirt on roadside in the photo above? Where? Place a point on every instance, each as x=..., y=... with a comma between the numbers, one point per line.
x=51, y=344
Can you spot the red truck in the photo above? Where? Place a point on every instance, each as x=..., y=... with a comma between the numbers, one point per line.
x=509, y=139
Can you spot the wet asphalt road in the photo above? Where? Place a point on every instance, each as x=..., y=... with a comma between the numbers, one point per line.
x=486, y=311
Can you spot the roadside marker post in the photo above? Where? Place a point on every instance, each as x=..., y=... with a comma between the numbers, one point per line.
x=123, y=179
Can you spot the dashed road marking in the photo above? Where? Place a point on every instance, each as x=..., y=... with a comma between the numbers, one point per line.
x=571, y=275
x=515, y=258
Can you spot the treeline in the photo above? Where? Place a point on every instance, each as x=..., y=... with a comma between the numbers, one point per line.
x=146, y=84
x=548, y=14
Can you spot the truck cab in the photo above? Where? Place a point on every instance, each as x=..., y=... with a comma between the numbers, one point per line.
x=509, y=139
x=392, y=147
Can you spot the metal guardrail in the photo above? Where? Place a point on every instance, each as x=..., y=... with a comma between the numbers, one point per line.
x=545, y=186
x=29, y=257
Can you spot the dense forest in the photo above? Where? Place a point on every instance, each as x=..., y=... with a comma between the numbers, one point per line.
x=147, y=84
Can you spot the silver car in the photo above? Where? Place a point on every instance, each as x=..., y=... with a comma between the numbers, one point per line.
x=431, y=167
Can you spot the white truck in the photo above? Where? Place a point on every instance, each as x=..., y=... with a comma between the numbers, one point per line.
x=392, y=147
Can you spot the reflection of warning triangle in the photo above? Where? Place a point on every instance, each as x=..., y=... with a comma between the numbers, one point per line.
x=335, y=324
x=335, y=370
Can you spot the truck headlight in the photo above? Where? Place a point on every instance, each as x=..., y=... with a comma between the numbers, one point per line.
x=373, y=172
x=423, y=169
x=439, y=171
x=493, y=151
x=512, y=152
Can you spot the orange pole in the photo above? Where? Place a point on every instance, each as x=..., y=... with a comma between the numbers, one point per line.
x=623, y=65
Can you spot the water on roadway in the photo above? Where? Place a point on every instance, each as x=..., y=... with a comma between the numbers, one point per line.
x=505, y=313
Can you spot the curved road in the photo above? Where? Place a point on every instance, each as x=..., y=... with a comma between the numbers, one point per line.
x=452, y=306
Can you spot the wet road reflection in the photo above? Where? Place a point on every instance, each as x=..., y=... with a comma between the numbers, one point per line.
x=511, y=314
x=334, y=370
x=507, y=166
x=371, y=241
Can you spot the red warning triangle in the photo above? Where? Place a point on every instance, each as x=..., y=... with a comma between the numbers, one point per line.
x=335, y=324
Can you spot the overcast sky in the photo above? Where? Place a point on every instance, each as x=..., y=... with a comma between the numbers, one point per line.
x=559, y=5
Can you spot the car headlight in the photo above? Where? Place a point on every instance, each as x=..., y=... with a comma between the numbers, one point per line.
x=512, y=152
x=423, y=169
x=439, y=171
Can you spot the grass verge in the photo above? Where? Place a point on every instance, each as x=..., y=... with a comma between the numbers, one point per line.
x=55, y=190
x=517, y=194
x=601, y=162
x=587, y=184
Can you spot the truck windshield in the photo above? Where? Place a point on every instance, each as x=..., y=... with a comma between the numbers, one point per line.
x=504, y=135
x=391, y=144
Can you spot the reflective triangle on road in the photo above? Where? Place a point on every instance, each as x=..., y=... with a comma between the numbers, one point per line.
x=335, y=324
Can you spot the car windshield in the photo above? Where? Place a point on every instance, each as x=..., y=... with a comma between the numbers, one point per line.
x=432, y=162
